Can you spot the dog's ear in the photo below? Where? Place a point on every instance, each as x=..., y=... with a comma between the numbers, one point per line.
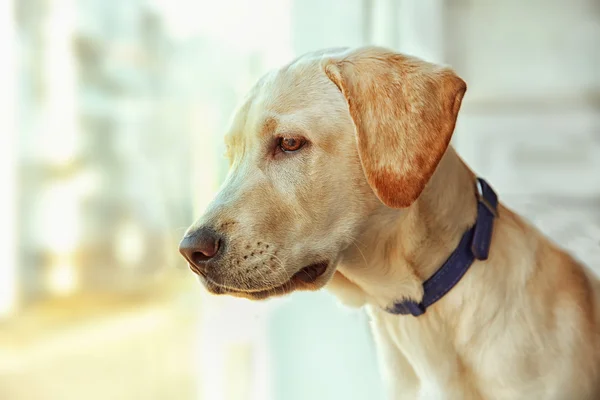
x=404, y=111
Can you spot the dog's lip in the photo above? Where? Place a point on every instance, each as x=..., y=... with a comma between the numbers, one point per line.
x=311, y=273
x=197, y=270
x=304, y=277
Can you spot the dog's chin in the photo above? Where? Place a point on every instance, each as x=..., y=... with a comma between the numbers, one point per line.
x=311, y=277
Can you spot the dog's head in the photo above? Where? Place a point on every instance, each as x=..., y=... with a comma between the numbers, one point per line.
x=314, y=150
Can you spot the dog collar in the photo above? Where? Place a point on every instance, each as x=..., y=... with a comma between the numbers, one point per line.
x=474, y=244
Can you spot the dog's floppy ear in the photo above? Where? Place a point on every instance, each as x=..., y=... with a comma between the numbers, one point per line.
x=404, y=111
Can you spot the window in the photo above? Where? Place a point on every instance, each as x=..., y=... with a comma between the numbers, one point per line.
x=116, y=122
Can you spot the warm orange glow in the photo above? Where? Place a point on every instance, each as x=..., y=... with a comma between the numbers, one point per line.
x=129, y=246
x=62, y=276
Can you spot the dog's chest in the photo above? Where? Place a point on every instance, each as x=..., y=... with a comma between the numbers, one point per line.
x=422, y=362
x=418, y=363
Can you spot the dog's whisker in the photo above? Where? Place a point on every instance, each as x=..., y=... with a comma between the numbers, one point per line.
x=360, y=251
x=279, y=264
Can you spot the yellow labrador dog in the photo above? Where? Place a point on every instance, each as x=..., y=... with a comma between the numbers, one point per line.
x=342, y=176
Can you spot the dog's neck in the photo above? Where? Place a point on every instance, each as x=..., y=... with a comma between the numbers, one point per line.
x=400, y=249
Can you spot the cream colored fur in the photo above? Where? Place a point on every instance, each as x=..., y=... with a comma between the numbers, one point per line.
x=378, y=193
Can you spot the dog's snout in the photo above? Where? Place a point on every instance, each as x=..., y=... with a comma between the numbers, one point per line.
x=200, y=246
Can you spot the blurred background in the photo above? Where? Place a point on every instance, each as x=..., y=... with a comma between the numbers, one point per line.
x=111, y=121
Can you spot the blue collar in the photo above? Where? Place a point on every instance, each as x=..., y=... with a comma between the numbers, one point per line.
x=475, y=244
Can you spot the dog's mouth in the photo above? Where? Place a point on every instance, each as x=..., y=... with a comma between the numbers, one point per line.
x=311, y=273
x=304, y=279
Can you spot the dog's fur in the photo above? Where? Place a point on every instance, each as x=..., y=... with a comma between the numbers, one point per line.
x=380, y=195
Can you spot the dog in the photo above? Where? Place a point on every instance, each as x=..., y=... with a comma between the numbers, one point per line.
x=342, y=176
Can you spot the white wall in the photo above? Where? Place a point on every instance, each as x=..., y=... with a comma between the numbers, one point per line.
x=530, y=122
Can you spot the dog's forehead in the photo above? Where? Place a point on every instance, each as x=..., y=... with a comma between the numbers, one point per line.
x=283, y=99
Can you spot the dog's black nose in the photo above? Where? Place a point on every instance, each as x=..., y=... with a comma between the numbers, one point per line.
x=199, y=247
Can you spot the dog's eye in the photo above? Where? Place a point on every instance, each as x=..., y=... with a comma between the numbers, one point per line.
x=289, y=144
